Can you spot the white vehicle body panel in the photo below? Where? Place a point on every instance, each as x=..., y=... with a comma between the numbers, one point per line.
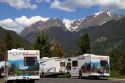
x=52, y=65
x=23, y=65
x=89, y=65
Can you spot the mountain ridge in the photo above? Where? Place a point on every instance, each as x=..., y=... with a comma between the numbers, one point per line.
x=56, y=30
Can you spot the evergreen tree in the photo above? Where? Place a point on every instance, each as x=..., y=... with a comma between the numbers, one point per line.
x=37, y=44
x=56, y=50
x=84, y=44
x=117, y=58
x=17, y=45
x=42, y=43
x=2, y=50
x=8, y=41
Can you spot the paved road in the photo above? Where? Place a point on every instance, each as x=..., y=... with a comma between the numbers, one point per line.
x=71, y=80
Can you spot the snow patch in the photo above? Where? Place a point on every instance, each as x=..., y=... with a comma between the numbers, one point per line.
x=68, y=23
x=102, y=23
x=98, y=13
x=74, y=28
x=109, y=13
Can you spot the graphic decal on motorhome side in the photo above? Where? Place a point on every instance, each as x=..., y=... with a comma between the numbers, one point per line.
x=95, y=67
x=21, y=67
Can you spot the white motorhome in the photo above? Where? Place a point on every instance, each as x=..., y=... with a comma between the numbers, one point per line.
x=22, y=65
x=88, y=65
x=53, y=66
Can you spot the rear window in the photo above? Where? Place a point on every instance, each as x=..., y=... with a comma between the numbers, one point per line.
x=30, y=61
x=62, y=64
x=74, y=63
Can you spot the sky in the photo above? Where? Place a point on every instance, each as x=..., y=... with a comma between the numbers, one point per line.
x=18, y=14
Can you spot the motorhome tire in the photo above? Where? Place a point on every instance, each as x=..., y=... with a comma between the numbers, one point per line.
x=68, y=75
x=29, y=81
x=9, y=81
x=95, y=77
x=43, y=75
x=80, y=75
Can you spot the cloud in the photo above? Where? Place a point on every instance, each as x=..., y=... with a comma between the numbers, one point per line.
x=73, y=5
x=18, y=24
x=41, y=1
x=62, y=6
x=19, y=4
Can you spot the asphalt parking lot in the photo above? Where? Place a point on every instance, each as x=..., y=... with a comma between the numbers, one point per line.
x=75, y=80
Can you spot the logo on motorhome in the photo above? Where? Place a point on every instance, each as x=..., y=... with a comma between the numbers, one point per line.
x=15, y=53
x=24, y=53
x=100, y=58
x=29, y=53
x=81, y=58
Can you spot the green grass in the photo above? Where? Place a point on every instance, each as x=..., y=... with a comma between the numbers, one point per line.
x=116, y=74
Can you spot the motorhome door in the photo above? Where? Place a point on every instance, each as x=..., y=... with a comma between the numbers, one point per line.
x=74, y=68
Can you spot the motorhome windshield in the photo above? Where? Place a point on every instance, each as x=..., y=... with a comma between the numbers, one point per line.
x=30, y=61
x=104, y=63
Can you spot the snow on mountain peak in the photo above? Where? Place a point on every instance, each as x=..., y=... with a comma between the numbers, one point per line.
x=109, y=13
x=98, y=13
x=44, y=19
x=101, y=12
x=68, y=23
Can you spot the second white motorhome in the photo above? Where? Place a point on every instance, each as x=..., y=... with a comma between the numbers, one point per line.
x=53, y=66
x=88, y=65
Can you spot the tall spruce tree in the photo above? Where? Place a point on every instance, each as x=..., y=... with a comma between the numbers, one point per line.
x=84, y=44
x=42, y=43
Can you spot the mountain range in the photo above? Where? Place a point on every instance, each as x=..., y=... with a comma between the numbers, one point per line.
x=105, y=29
x=93, y=20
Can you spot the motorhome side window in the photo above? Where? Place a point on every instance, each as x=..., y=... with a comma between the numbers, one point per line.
x=74, y=63
x=62, y=64
x=69, y=59
x=30, y=61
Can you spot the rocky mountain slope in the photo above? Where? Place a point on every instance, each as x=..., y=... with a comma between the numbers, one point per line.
x=15, y=36
x=92, y=20
x=102, y=27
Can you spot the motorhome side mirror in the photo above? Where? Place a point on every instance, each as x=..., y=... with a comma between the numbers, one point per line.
x=69, y=59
